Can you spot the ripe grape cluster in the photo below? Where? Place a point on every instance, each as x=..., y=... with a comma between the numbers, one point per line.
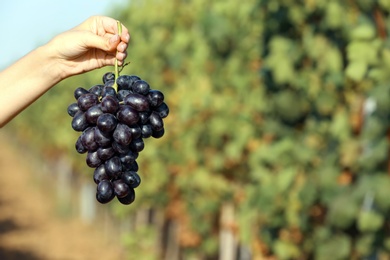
x=113, y=121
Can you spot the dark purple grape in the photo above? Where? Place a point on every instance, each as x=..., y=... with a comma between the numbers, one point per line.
x=108, y=91
x=109, y=104
x=127, y=115
x=136, y=131
x=93, y=113
x=128, y=157
x=106, y=122
x=121, y=189
x=162, y=110
x=122, y=134
x=144, y=116
x=158, y=134
x=131, y=178
x=127, y=200
x=109, y=83
x=113, y=167
x=122, y=94
x=100, y=174
x=141, y=87
x=130, y=167
x=87, y=100
x=79, y=146
x=97, y=90
x=137, y=145
x=120, y=149
x=156, y=121
x=108, y=76
x=155, y=97
x=103, y=139
x=137, y=101
x=146, y=131
x=105, y=191
x=78, y=92
x=93, y=159
x=79, y=122
x=73, y=109
x=105, y=153
x=125, y=82
x=88, y=139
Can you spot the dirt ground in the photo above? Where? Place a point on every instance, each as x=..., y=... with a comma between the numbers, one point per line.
x=29, y=227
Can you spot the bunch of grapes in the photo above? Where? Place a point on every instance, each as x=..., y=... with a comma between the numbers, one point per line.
x=114, y=118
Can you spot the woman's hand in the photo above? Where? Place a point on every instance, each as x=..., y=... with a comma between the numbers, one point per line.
x=93, y=44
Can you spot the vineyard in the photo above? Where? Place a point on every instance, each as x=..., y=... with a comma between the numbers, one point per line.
x=277, y=141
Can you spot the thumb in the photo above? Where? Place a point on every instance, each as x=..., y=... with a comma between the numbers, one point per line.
x=102, y=43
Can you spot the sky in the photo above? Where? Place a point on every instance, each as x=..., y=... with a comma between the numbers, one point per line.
x=26, y=24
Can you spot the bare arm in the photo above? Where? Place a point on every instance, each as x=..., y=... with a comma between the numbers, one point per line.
x=93, y=44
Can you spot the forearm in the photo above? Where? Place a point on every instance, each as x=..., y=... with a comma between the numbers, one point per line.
x=25, y=81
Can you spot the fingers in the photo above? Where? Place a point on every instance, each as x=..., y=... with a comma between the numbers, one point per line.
x=125, y=37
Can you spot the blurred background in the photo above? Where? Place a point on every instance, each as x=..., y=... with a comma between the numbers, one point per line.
x=276, y=145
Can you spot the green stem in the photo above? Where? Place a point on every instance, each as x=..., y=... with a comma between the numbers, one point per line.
x=115, y=86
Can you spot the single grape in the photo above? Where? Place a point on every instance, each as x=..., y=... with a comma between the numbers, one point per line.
x=141, y=87
x=122, y=94
x=105, y=191
x=136, y=131
x=133, y=167
x=97, y=90
x=155, y=97
x=109, y=83
x=121, y=189
x=137, y=101
x=102, y=139
x=113, y=167
x=100, y=174
x=88, y=139
x=158, y=134
x=79, y=122
x=122, y=134
x=108, y=76
x=125, y=82
x=78, y=92
x=73, y=109
x=120, y=149
x=109, y=104
x=93, y=113
x=106, y=122
x=137, y=145
x=127, y=200
x=144, y=116
x=87, y=100
x=108, y=91
x=147, y=131
x=162, y=110
x=156, y=121
x=131, y=178
x=105, y=153
x=93, y=159
x=127, y=115
x=128, y=157
x=79, y=146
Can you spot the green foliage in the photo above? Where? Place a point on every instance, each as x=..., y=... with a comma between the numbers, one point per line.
x=266, y=112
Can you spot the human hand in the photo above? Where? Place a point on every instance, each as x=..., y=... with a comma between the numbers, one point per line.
x=92, y=44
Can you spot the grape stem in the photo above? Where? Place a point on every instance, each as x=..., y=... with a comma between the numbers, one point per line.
x=115, y=86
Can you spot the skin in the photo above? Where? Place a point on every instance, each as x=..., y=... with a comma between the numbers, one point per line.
x=93, y=44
